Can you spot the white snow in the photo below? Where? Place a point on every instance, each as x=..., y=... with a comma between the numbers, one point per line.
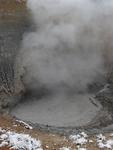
x=2, y=130
x=82, y=149
x=18, y=141
x=103, y=142
x=65, y=148
x=79, y=138
x=24, y=141
x=90, y=141
x=3, y=144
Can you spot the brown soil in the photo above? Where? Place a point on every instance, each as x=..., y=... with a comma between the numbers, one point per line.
x=11, y=6
x=49, y=141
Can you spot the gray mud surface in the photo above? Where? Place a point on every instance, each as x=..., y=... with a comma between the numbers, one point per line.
x=89, y=113
x=72, y=111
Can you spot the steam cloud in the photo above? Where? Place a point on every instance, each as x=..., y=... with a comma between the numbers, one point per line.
x=70, y=45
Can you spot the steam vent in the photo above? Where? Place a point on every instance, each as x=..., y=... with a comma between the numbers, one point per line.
x=56, y=63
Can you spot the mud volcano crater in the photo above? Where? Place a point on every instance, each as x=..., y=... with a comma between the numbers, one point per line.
x=87, y=111
x=52, y=95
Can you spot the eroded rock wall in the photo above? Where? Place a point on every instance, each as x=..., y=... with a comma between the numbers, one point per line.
x=13, y=24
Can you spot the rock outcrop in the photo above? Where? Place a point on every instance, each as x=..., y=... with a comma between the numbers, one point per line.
x=13, y=23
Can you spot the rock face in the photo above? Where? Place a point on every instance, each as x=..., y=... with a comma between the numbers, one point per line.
x=105, y=97
x=13, y=23
x=105, y=116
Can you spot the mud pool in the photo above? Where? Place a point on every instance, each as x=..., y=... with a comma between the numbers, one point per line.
x=73, y=111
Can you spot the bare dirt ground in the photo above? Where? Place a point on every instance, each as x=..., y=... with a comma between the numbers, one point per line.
x=49, y=141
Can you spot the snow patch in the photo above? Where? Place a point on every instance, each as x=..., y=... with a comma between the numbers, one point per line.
x=65, y=148
x=18, y=141
x=103, y=142
x=79, y=139
x=82, y=149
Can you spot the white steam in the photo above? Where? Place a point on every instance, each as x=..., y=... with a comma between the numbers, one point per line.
x=70, y=44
